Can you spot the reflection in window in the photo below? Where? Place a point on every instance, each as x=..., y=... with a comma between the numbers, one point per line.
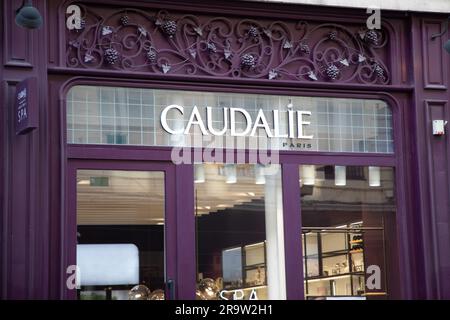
x=348, y=235
x=239, y=219
x=132, y=116
x=120, y=250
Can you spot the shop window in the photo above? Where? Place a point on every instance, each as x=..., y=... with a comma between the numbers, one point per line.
x=348, y=232
x=133, y=116
x=120, y=234
x=239, y=223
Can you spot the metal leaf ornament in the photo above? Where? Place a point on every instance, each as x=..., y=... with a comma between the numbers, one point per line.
x=88, y=57
x=106, y=30
x=227, y=53
x=287, y=44
x=166, y=68
x=344, y=62
x=312, y=75
x=273, y=74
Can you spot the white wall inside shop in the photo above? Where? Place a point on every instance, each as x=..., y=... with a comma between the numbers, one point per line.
x=403, y=5
x=275, y=235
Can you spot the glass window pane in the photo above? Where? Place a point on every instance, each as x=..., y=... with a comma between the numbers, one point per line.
x=348, y=222
x=239, y=219
x=120, y=217
x=312, y=123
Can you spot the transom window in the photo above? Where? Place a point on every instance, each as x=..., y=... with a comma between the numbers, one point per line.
x=151, y=117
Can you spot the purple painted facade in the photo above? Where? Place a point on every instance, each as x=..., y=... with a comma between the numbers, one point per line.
x=288, y=54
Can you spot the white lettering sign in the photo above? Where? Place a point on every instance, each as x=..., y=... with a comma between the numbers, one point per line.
x=374, y=20
x=74, y=19
x=164, y=118
x=237, y=294
x=295, y=127
x=373, y=280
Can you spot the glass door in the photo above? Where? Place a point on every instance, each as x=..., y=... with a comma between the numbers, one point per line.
x=123, y=225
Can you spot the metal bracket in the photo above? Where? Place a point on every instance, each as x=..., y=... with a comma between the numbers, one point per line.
x=436, y=35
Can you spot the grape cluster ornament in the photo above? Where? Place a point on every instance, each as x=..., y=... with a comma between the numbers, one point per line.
x=304, y=48
x=124, y=20
x=169, y=27
x=248, y=61
x=332, y=72
x=371, y=37
x=111, y=56
x=151, y=56
x=253, y=32
x=379, y=71
x=332, y=35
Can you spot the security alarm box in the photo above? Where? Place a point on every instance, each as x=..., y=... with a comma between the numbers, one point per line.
x=438, y=127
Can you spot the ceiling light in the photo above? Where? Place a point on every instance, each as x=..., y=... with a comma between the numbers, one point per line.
x=199, y=173
x=308, y=175
x=231, y=173
x=84, y=182
x=260, y=177
x=374, y=176
x=340, y=178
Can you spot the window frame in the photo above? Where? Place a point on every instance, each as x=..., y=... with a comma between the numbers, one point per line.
x=289, y=160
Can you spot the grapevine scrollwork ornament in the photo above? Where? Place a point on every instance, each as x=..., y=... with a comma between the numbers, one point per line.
x=157, y=42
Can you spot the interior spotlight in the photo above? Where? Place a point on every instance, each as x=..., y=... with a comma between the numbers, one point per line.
x=340, y=177
x=260, y=177
x=28, y=16
x=308, y=174
x=199, y=173
x=374, y=177
x=230, y=173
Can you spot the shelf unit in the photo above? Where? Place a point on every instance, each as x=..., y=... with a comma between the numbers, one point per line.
x=253, y=267
x=336, y=272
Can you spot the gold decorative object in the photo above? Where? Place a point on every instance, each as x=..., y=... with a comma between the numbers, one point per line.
x=139, y=292
x=157, y=295
x=208, y=289
x=199, y=295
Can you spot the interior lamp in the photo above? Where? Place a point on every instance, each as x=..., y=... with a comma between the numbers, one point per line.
x=340, y=178
x=374, y=177
x=260, y=177
x=231, y=173
x=199, y=173
x=308, y=175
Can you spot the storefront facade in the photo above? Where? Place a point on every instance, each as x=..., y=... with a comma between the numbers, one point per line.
x=224, y=151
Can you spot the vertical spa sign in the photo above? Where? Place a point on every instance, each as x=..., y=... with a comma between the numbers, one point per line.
x=26, y=106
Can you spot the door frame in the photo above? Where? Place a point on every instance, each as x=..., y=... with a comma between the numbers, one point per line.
x=170, y=215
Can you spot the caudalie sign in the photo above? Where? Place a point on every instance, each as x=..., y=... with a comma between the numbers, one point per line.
x=295, y=127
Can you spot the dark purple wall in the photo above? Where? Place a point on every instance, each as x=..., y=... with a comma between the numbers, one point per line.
x=34, y=197
x=26, y=195
x=432, y=154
